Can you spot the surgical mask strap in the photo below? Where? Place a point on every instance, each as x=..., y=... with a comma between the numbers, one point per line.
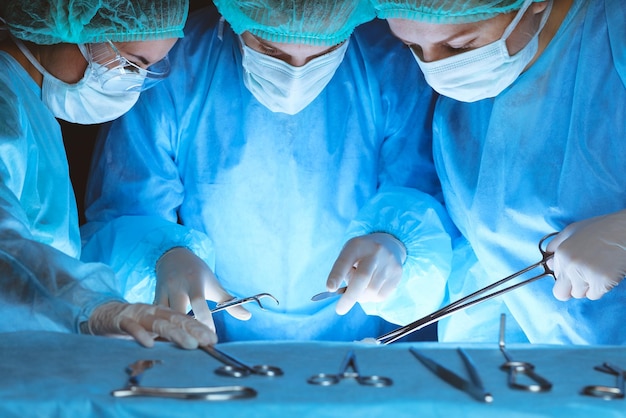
x=520, y=14
x=29, y=56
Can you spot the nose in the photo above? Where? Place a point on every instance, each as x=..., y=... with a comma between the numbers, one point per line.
x=429, y=53
x=297, y=61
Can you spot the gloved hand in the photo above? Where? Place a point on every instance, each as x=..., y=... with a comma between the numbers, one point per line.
x=183, y=278
x=146, y=322
x=371, y=265
x=589, y=257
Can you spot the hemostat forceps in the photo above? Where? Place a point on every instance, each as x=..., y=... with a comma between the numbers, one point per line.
x=349, y=370
x=208, y=393
x=235, y=368
x=240, y=301
x=607, y=392
x=474, y=387
x=517, y=368
x=473, y=299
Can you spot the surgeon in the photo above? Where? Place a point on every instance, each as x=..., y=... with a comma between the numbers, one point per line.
x=529, y=140
x=286, y=139
x=83, y=62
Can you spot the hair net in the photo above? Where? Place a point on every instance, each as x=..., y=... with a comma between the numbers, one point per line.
x=92, y=21
x=311, y=22
x=445, y=11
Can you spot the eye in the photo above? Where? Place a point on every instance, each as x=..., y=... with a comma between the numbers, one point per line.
x=268, y=50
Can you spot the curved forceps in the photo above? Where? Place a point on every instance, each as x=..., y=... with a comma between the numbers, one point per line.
x=240, y=301
x=473, y=299
x=234, y=368
x=349, y=370
x=237, y=301
x=607, y=392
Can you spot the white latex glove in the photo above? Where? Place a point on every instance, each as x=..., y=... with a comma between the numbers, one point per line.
x=183, y=278
x=371, y=265
x=589, y=257
x=147, y=322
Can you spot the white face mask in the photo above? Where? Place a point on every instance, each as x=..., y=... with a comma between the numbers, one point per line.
x=483, y=72
x=85, y=102
x=284, y=88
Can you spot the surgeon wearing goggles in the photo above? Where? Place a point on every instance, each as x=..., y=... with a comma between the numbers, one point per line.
x=282, y=156
x=83, y=62
x=528, y=140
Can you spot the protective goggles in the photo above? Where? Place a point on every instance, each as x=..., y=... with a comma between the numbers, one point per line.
x=117, y=73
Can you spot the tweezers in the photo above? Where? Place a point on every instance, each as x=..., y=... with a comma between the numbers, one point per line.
x=473, y=387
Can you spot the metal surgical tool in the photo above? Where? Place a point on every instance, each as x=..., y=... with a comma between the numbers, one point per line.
x=517, y=368
x=240, y=301
x=235, y=368
x=607, y=392
x=474, y=387
x=474, y=299
x=209, y=393
x=349, y=370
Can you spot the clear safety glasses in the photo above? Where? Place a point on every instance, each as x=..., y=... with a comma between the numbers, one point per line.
x=118, y=74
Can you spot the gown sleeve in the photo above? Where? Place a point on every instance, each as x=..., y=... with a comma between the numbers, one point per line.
x=408, y=202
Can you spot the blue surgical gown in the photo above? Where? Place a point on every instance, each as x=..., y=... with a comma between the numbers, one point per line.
x=269, y=199
x=548, y=151
x=43, y=286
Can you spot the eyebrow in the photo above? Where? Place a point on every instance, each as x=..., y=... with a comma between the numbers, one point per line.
x=140, y=58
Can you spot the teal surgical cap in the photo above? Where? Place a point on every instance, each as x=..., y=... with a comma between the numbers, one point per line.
x=91, y=21
x=445, y=11
x=309, y=22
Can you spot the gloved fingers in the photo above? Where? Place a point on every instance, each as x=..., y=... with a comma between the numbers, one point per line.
x=202, y=333
x=202, y=313
x=181, y=329
x=161, y=297
x=344, y=266
x=562, y=289
x=174, y=333
x=179, y=302
x=239, y=312
x=358, y=281
x=393, y=275
x=137, y=331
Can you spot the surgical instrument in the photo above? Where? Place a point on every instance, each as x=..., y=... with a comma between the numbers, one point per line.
x=517, y=368
x=209, y=393
x=607, y=392
x=326, y=295
x=349, y=370
x=474, y=386
x=234, y=368
x=240, y=301
x=473, y=299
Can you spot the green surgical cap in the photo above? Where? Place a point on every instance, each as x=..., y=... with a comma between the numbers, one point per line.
x=309, y=22
x=91, y=21
x=445, y=11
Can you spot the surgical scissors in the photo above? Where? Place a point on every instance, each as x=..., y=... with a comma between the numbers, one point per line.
x=516, y=368
x=240, y=301
x=208, y=393
x=473, y=299
x=234, y=368
x=349, y=370
x=474, y=387
x=607, y=392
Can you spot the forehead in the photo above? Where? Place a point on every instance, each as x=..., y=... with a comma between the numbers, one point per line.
x=413, y=31
x=293, y=49
x=152, y=51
